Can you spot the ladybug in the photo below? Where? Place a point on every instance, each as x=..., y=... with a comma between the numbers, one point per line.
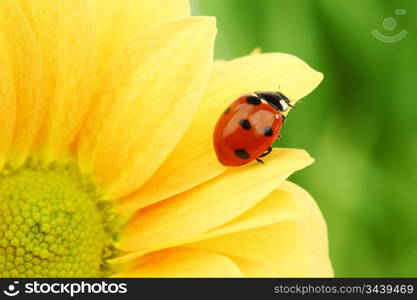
x=248, y=127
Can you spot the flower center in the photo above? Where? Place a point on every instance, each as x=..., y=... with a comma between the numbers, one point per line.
x=52, y=224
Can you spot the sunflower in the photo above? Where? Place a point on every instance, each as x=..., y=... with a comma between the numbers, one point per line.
x=107, y=166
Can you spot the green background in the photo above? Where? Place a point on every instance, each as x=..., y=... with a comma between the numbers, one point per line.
x=360, y=124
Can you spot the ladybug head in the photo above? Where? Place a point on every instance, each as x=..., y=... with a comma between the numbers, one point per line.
x=276, y=99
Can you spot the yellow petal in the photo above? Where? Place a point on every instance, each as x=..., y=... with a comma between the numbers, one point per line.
x=116, y=22
x=145, y=101
x=211, y=204
x=8, y=104
x=26, y=61
x=193, y=160
x=253, y=268
x=278, y=206
x=64, y=32
x=182, y=262
x=294, y=248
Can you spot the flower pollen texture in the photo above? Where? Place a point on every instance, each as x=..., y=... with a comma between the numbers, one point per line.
x=51, y=225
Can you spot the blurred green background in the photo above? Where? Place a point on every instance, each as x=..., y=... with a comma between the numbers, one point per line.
x=360, y=124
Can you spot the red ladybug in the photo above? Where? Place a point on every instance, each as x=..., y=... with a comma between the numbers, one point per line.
x=248, y=127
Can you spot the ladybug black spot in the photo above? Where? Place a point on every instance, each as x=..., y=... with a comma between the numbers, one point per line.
x=226, y=111
x=253, y=100
x=245, y=124
x=241, y=153
x=268, y=131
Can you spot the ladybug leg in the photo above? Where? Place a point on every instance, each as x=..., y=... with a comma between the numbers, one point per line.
x=269, y=150
x=284, y=118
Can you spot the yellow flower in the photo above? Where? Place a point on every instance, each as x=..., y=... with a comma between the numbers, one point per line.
x=107, y=167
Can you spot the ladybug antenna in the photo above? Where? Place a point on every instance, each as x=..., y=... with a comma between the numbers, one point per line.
x=286, y=100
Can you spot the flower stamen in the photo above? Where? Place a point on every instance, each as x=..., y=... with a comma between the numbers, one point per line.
x=53, y=224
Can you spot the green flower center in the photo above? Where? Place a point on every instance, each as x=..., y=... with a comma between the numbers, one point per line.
x=52, y=224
